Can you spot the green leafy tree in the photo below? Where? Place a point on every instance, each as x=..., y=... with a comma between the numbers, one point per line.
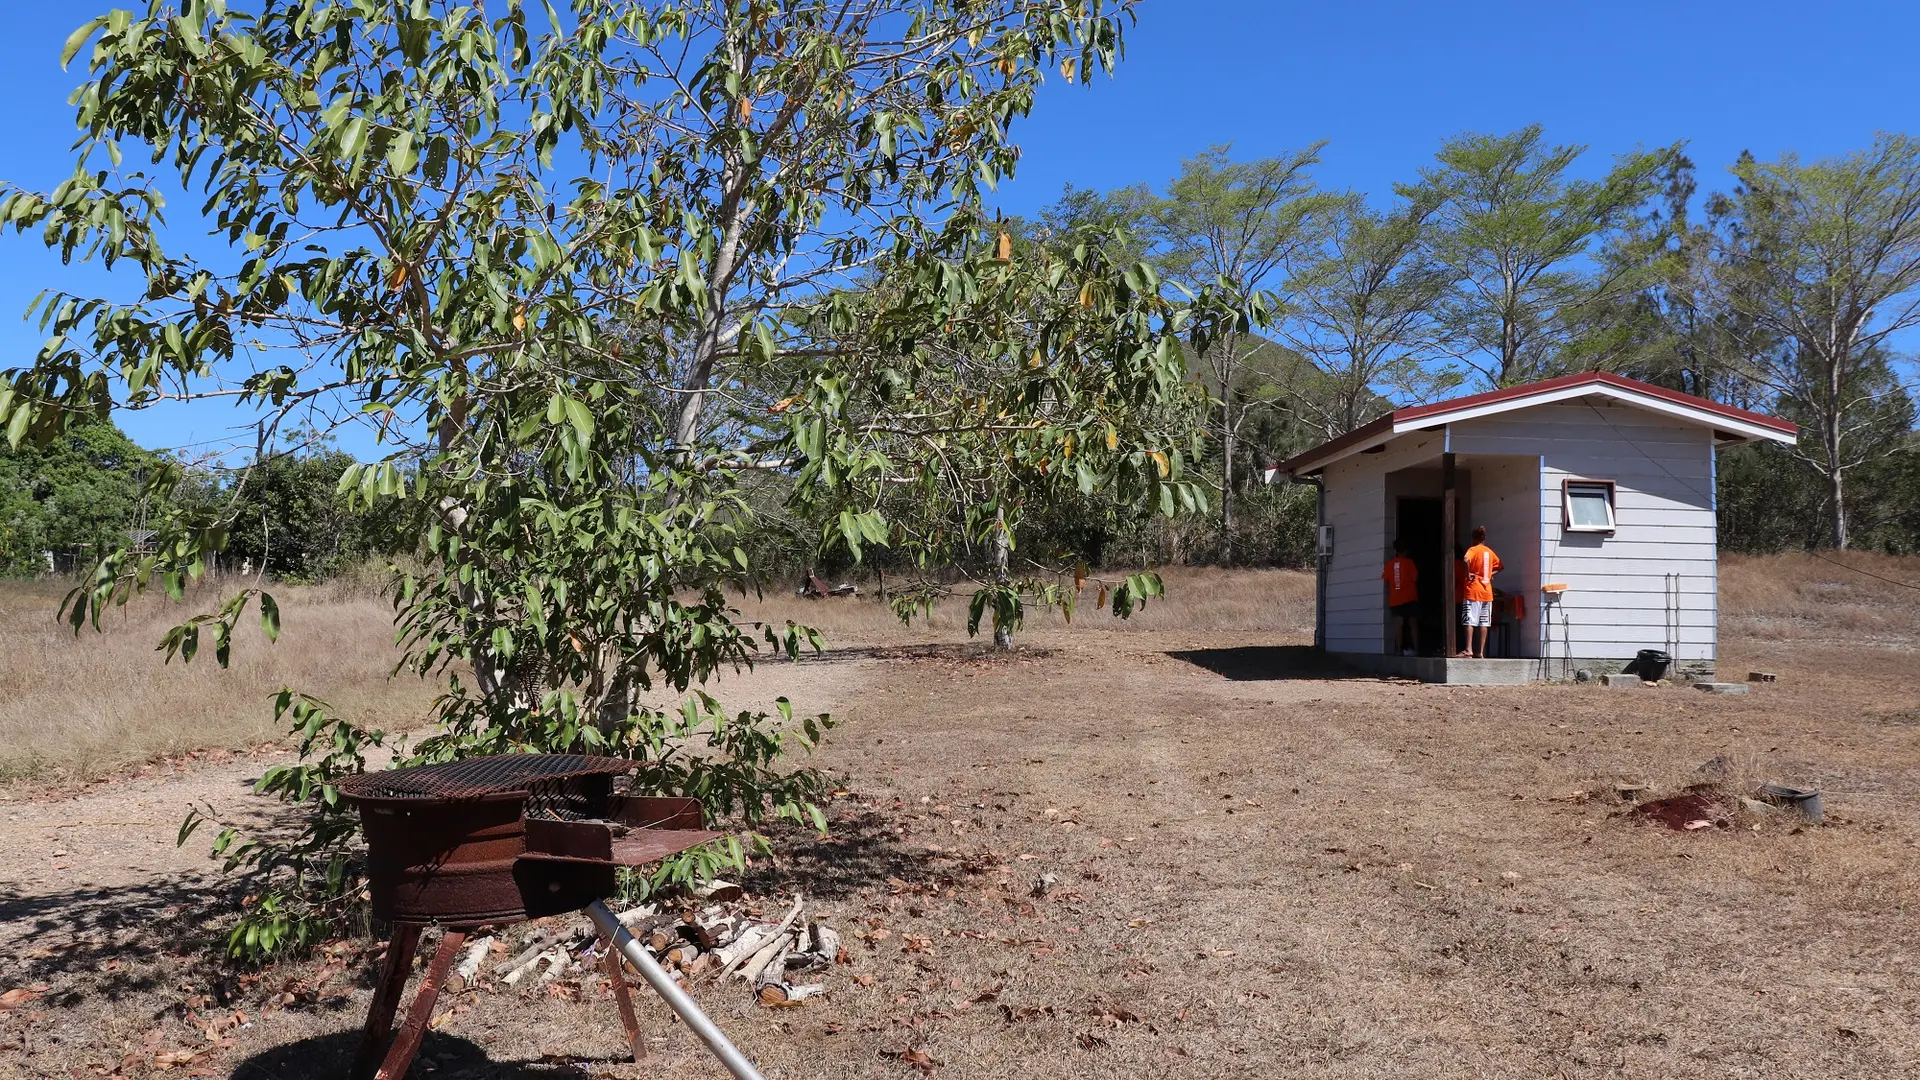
x=290, y=519
x=78, y=495
x=1517, y=234
x=1364, y=309
x=1059, y=380
x=1237, y=226
x=1817, y=270
x=585, y=271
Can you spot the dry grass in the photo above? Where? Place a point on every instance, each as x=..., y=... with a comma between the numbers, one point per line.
x=1196, y=598
x=1809, y=597
x=1259, y=874
x=73, y=708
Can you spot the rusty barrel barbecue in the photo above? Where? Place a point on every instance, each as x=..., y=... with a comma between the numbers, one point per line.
x=499, y=839
x=496, y=840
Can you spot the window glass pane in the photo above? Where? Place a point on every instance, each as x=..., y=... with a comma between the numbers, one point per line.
x=1588, y=507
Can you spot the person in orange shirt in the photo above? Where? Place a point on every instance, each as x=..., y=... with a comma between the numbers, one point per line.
x=1403, y=598
x=1477, y=611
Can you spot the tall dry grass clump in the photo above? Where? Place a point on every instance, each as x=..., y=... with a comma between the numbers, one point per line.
x=1197, y=598
x=1847, y=596
x=75, y=707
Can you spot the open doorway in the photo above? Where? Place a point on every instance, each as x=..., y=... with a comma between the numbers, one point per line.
x=1418, y=524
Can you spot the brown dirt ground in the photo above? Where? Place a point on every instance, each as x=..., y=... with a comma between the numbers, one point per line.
x=1261, y=871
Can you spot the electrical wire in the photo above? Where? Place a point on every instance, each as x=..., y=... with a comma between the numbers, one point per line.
x=1868, y=573
x=1624, y=437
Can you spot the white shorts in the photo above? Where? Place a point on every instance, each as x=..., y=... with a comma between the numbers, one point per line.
x=1476, y=613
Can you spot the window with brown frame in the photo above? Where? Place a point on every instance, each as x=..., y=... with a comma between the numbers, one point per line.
x=1588, y=505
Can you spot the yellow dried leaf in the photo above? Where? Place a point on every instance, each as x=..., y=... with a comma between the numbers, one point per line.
x=1160, y=459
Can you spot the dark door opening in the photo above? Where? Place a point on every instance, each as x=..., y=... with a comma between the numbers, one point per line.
x=1418, y=524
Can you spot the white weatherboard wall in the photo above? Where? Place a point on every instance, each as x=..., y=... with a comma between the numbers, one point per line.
x=1505, y=498
x=1356, y=493
x=1618, y=598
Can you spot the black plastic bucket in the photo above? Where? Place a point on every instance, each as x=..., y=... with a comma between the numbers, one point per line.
x=1650, y=664
x=1806, y=800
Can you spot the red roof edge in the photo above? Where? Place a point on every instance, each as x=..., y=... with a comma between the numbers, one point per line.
x=1366, y=432
x=1385, y=424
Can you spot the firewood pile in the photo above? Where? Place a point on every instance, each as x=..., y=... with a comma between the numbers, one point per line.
x=726, y=939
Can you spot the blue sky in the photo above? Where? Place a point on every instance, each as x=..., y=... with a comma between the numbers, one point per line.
x=1384, y=81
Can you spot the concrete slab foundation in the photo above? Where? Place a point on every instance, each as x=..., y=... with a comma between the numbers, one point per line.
x=1446, y=669
x=1504, y=672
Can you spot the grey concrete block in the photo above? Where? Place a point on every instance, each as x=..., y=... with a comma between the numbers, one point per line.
x=1722, y=687
x=1622, y=680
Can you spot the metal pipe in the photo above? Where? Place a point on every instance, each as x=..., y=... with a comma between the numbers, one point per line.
x=1319, y=559
x=670, y=992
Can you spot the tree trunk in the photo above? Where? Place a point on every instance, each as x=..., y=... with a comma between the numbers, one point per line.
x=1836, y=484
x=1002, y=548
x=735, y=174
x=1835, y=471
x=1226, y=477
x=1506, y=351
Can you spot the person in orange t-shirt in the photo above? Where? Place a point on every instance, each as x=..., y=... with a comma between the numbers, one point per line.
x=1477, y=611
x=1403, y=598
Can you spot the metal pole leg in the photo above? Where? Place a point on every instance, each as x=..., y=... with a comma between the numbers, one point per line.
x=386, y=999
x=624, y=998
x=670, y=992
x=420, y=1013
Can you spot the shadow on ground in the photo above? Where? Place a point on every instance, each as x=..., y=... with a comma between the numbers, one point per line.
x=957, y=651
x=1264, y=663
x=448, y=1057
x=80, y=940
x=860, y=853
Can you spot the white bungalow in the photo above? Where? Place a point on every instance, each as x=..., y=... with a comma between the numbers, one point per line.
x=1596, y=491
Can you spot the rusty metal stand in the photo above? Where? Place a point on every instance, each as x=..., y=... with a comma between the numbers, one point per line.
x=386, y=999
x=394, y=1060
x=624, y=997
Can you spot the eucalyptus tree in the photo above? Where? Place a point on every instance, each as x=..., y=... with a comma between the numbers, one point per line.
x=584, y=271
x=1365, y=310
x=1236, y=226
x=1518, y=234
x=1817, y=270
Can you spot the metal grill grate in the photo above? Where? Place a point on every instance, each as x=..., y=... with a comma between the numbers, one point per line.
x=552, y=780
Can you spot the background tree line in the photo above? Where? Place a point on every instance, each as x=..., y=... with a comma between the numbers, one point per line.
x=1790, y=290
x=64, y=504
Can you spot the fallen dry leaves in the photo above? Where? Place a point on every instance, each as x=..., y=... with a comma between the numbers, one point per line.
x=20, y=995
x=914, y=1057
